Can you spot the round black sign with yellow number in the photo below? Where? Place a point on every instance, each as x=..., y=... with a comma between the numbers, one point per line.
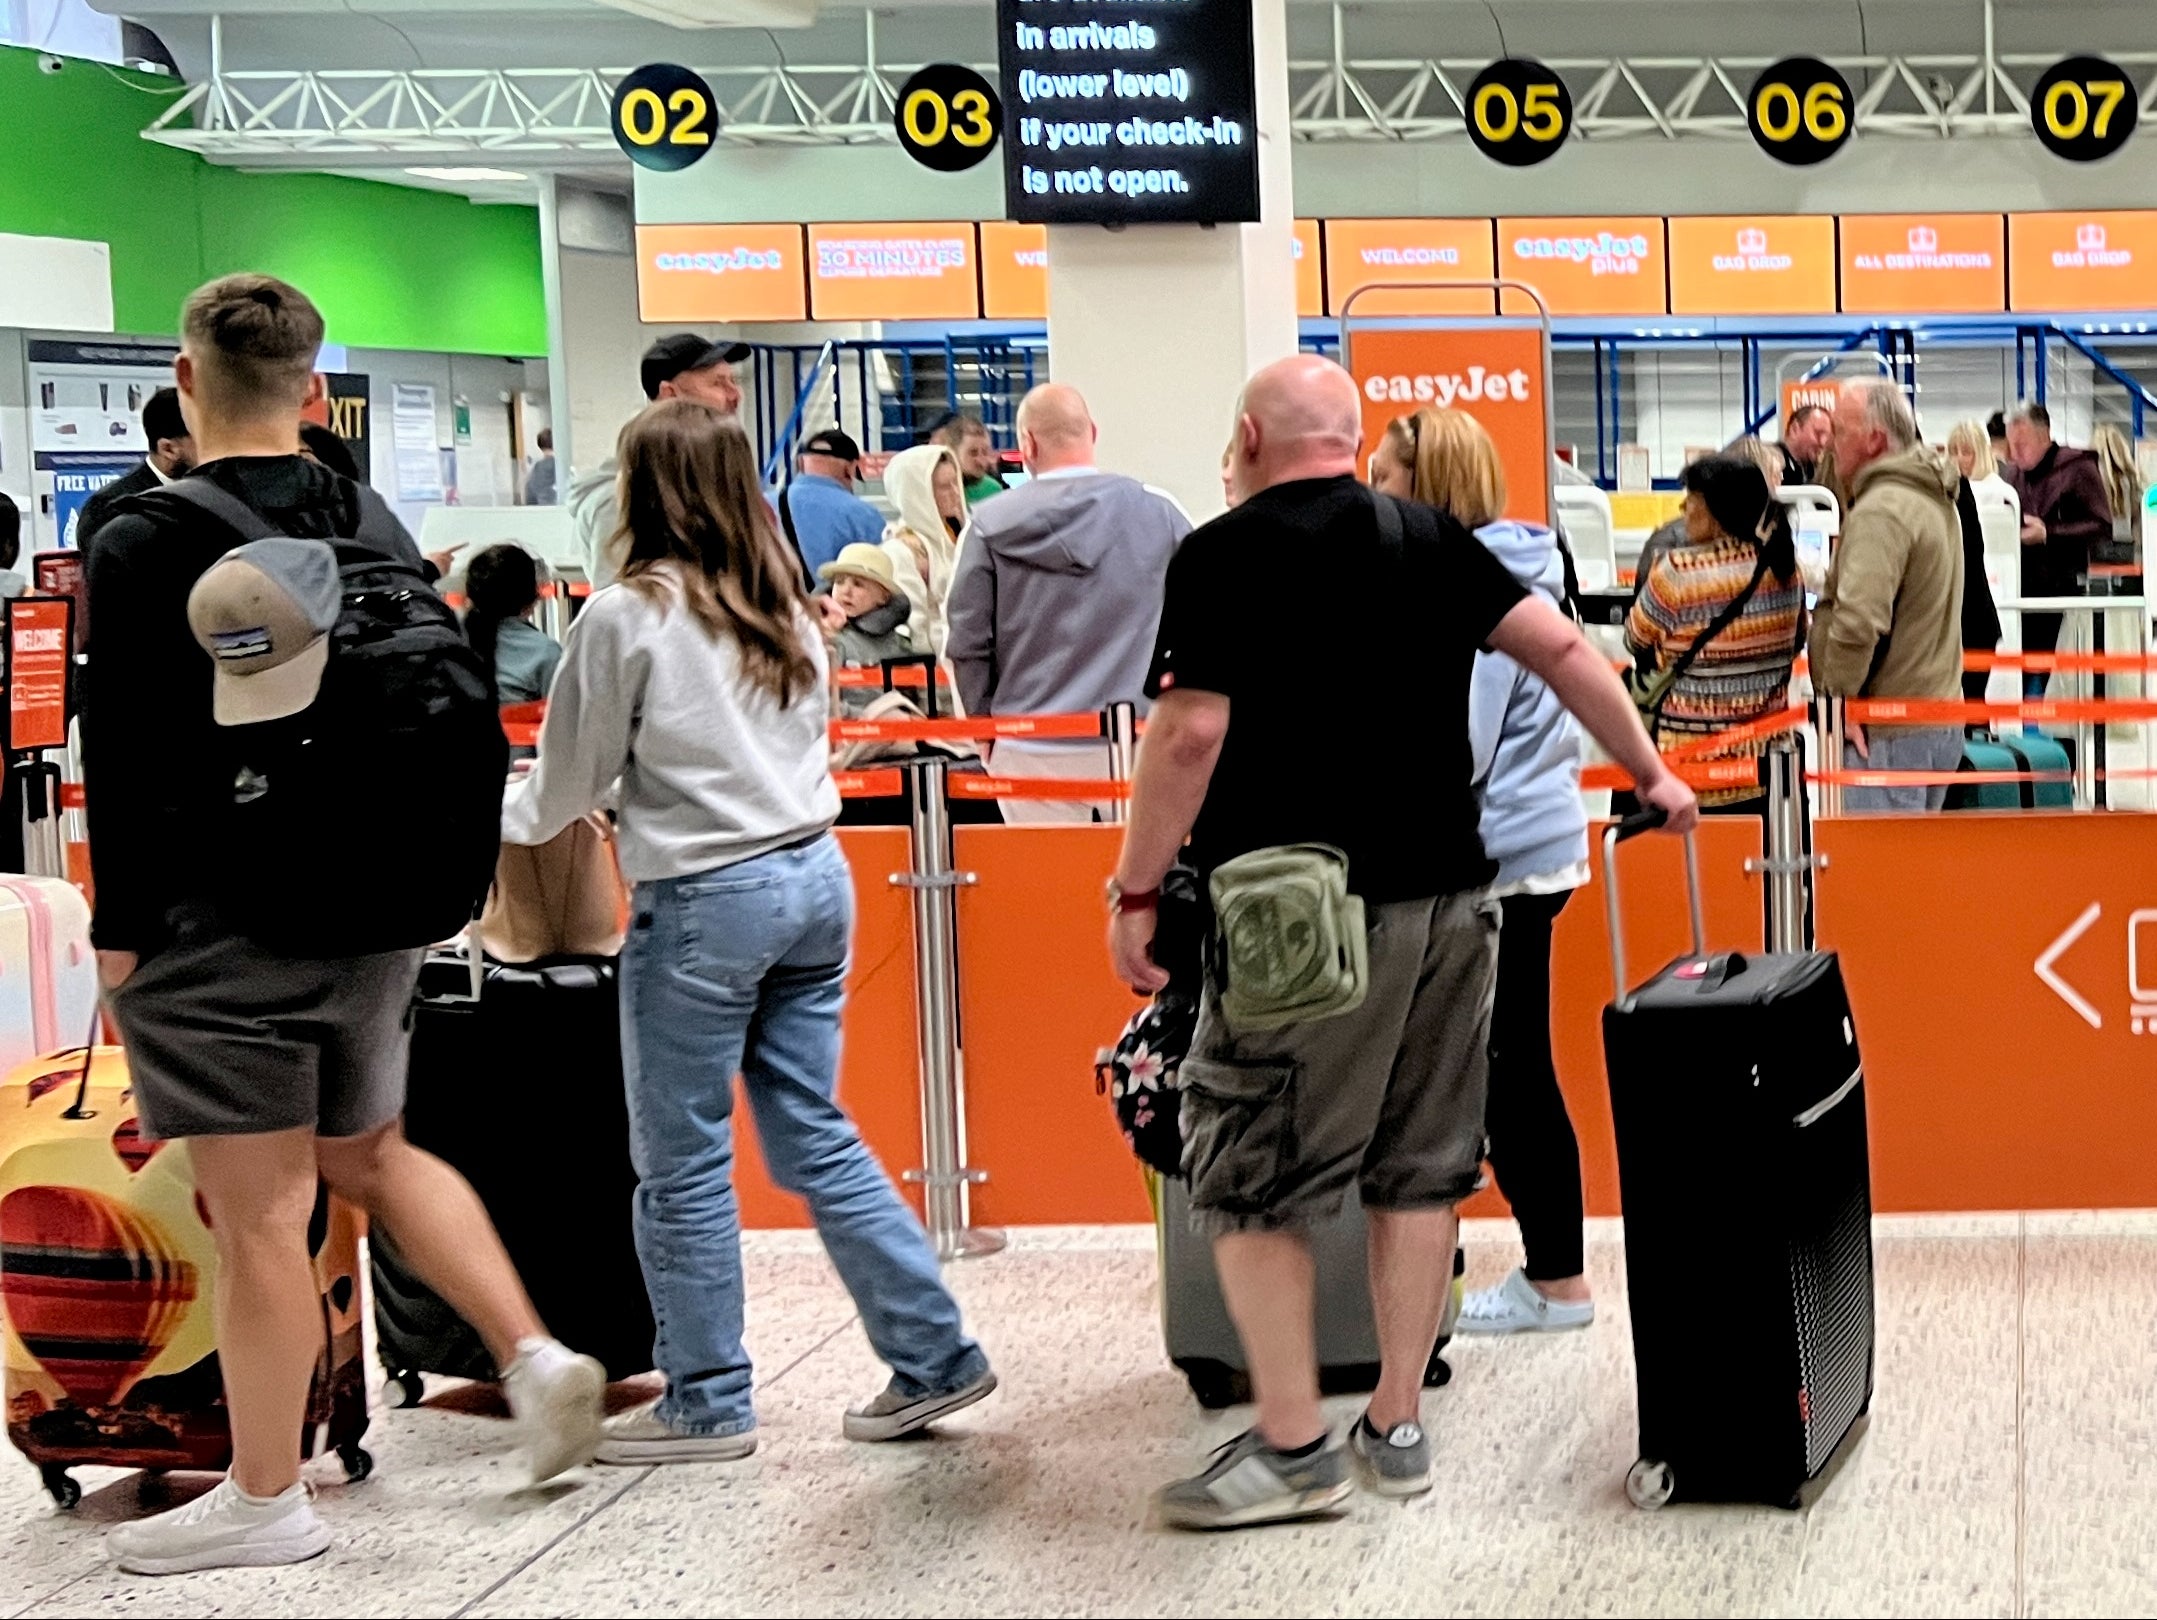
x=2084, y=108
x=1800, y=111
x=948, y=117
x=664, y=116
x=1519, y=112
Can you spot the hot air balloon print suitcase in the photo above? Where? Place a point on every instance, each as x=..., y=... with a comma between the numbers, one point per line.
x=107, y=1268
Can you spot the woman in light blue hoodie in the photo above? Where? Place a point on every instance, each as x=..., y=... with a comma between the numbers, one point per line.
x=1527, y=765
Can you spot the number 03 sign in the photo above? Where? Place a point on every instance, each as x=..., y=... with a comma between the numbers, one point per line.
x=663, y=116
x=947, y=117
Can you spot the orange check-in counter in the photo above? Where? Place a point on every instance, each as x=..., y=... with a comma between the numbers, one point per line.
x=1992, y=1085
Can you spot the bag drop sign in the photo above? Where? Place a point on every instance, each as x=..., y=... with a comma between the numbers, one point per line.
x=1495, y=374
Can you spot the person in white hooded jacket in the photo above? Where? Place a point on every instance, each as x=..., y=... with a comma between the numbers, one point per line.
x=922, y=541
x=1526, y=753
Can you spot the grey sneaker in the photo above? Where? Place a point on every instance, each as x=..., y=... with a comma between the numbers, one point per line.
x=1399, y=1460
x=892, y=1414
x=642, y=1439
x=1248, y=1482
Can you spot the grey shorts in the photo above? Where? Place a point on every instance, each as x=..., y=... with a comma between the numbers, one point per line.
x=1388, y=1098
x=225, y=1039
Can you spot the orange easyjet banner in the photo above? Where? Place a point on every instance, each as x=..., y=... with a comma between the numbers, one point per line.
x=1014, y=271
x=906, y=272
x=1310, y=278
x=720, y=273
x=1584, y=266
x=1363, y=252
x=1820, y=391
x=1726, y=264
x=1495, y=374
x=1924, y=264
x=2061, y=263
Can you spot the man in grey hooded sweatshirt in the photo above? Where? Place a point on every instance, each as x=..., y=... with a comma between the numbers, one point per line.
x=1056, y=596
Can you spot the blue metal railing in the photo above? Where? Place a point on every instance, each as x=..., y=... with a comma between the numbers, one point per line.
x=2139, y=398
x=779, y=460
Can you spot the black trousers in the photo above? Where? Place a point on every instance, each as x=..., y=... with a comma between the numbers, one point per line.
x=1532, y=1146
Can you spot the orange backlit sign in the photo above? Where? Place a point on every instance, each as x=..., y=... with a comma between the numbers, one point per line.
x=1361, y=252
x=720, y=273
x=1924, y=264
x=901, y=272
x=1584, y=266
x=1737, y=265
x=2059, y=263
x=1014, y=271
x=1310, y=279
x=1494, y=373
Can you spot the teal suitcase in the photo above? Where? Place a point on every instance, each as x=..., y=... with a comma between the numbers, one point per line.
x=2025, y=754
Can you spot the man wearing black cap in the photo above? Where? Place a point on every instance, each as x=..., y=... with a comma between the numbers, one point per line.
x=683, y=366
x=819, y=509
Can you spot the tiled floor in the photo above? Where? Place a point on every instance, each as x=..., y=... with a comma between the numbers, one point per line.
x=2010, y=1468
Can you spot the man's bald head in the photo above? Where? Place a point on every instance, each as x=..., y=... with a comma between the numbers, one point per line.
x=1055, y=429
x=1298, y=418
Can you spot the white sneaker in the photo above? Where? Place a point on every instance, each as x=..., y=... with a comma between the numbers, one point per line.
x=557, y=1398
x=1518, y=1306
x=224, y=1528
x=635, y=1439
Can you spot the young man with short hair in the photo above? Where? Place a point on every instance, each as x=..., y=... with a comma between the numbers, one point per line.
x=171, y=455
x=276, y=1069
x=966, y=436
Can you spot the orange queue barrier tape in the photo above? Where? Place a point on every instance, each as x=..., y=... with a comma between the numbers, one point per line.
x=1087, y=726
x=1773, y=725
x=72, y=796
x=1891, y=779
x=1699, y=773
x=878, y=784
x=1954, y=712
x=1033, y=787
x=2087, y=663
x=859, y=675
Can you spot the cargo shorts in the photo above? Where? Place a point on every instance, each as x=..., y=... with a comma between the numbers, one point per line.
x=1388, y=1098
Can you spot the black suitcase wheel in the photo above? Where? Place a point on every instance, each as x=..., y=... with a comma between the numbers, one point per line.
x=358, y=1461
x=404, y=1389
x=1215, y=1385
x=1440, y=1371
x=66, y=1493
x=1650, y=1484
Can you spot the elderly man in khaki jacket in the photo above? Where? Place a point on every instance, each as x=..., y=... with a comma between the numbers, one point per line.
x=1889, y=623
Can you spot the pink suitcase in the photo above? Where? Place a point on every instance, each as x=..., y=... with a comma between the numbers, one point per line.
x=48, y=972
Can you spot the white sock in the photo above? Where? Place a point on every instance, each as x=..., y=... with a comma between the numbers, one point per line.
x=263, y=1501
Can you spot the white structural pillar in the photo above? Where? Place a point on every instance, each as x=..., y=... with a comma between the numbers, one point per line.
x=1159, y=325
x=550, y=276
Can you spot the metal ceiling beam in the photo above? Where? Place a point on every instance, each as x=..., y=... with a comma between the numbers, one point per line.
x=351, y=115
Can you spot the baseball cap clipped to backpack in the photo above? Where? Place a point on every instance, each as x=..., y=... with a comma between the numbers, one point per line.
x=264, y=612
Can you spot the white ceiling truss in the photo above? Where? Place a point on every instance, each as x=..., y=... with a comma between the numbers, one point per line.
x=560, y=114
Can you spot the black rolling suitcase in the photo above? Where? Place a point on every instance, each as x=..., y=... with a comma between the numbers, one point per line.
x=1739, y=1101
x=517, y=1081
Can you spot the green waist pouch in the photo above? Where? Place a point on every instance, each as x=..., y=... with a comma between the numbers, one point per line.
x=1293, y=948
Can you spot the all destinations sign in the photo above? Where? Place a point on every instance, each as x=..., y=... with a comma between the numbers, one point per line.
x=1146, y=115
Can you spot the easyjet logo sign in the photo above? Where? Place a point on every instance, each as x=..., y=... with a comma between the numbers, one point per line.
x=1604, y=254
x=1473, y=386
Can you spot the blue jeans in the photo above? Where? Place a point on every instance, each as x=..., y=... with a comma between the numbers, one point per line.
x=1902, y=748
x=743, y=969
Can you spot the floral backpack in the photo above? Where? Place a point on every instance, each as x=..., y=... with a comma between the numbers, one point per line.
x=1139, y=1074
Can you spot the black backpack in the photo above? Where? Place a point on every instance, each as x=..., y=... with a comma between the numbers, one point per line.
x=371, y=820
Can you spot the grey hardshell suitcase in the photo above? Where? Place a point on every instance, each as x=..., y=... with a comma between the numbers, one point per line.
x=1202, y=1340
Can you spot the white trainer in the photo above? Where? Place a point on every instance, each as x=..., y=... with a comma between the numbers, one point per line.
x=558, y=1400
x=224, y=1528
x=642, y=1438
x=1518, y=1306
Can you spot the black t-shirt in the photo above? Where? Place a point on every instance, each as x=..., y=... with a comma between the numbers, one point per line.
x=1346, y=667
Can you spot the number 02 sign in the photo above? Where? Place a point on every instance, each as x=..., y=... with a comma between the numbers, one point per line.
x=663, y=116
x=1799, y=111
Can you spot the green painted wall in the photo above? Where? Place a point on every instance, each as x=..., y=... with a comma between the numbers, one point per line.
x=392, y=268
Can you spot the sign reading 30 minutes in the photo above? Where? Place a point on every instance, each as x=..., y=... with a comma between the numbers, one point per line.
x=1128, y=111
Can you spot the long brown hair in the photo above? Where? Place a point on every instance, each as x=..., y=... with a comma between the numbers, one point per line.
x=690, y=496
x=1454, y=462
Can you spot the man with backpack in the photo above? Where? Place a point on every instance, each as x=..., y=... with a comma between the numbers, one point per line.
x=273, y=689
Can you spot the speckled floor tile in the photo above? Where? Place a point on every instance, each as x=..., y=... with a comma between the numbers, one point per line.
x=2090, y=1426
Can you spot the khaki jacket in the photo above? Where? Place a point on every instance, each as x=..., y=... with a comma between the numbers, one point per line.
x=1889, y=623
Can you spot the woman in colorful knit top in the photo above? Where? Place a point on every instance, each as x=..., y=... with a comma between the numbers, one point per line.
x=1734, y=531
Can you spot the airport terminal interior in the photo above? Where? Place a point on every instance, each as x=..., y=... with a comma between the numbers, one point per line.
x=1573, y=568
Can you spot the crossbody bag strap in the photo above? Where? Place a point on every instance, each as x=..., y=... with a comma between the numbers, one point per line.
x=1721, y=622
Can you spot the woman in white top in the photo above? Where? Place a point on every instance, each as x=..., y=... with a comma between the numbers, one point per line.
x=922, y=541
x=698, y=683
x=1972, y=450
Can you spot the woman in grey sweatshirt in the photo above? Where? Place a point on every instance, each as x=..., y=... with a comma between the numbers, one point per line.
x=698, y=685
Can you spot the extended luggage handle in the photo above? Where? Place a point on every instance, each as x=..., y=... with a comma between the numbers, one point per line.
x=1614, y=835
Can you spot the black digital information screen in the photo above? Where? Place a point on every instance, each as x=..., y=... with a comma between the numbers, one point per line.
x=1128, y=112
